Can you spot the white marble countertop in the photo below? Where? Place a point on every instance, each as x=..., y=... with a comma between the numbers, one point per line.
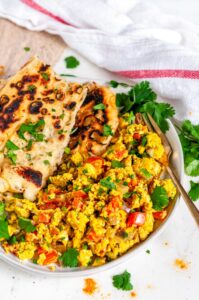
x=154, y=275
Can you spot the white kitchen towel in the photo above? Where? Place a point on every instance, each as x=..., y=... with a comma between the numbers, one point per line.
x=128, y=37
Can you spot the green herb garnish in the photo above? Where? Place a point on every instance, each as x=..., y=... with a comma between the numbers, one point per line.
x=106, y=182
x=69, y=258
x=71, y=62
x=115, y=84
x=46, y=162
x=117, y=164
x=107, y=130
x=26, y=225
x=194, y=191
x=31, y=87
x=145, y=173
x=159, y=198
x=27, y=49
x=99, y=106
x=123, y=281
x=45, y=76
x=67, y=150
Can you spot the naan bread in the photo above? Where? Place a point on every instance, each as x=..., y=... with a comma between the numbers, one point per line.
x=88, y=132
x=37, y=114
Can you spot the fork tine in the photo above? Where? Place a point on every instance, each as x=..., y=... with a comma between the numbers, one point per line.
x=159, y=132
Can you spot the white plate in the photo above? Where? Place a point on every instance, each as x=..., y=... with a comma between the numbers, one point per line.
x=177, y=163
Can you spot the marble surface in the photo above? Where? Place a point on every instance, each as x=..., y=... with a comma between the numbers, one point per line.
x=154, y=276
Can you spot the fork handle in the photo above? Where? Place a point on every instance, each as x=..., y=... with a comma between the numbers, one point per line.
x=193, y=209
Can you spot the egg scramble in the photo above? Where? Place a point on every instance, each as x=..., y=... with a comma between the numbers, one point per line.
x=94, y=208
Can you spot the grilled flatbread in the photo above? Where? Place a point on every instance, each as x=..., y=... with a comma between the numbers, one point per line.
x=94, y=128
x=37, y=113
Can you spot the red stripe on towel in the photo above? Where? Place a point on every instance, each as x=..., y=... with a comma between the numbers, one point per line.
x=39, y=8
x=189, y=74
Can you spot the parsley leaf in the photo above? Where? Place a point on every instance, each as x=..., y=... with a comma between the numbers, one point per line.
x=71, y=62
x=141, y=98
x=106, y=182
x=159, y=198
x=189, y=137
x=107, y=130
x=31, y=87
x=99, y=106
x=69, y=258
x=2, y=211
x=194, y=191
x=45, y=76
x=11, y=146
x=145, y=173
x=67, y=150
x=4, y=229
x=26, y=225
x=32, y=128
x=27, y=49
x=12, y=156
x=115, y=84
x=122, y=281
x=117, y=164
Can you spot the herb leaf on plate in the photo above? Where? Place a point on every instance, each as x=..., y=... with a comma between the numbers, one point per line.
x=123, y=281
x=194, y=191
x=159, y=198
x=71, y=62
x=69, y=258
x=26, y=225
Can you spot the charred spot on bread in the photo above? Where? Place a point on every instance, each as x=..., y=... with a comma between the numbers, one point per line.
x=31, y=175
x=34, y=107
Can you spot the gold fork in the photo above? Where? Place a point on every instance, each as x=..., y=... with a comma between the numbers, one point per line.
x=152, y=126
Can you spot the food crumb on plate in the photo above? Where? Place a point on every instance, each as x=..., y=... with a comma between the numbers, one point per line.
x=166, y=243
x=133, y=294
x=90, y=286
x=180, y=263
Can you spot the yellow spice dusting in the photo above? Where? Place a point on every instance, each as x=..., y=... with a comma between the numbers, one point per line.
x=181, y=264
x=90, y=286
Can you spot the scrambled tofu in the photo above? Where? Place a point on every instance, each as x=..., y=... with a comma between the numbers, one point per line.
x=95, y=208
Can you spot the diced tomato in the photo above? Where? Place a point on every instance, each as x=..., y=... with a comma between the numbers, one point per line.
x=54, y=231
x=136, y=218
x=119, y=154
x=77, y=203
x=50, y=205
x=80, y=194
x=93, y=236
x=132, y=184
x=96, y=161
x=137, y=136
x=44, y=218
x=51, y=257
x=40, y=250
x=160, y=215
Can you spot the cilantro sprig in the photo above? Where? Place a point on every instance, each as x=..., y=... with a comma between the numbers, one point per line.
x=106, y=182
x=32, y=129
x=189, y=137
x=26, y=225
x=3, y=223
x=70, y=258
x=141, y=98
x=11, y=147
x=123, y=281
x=71, y=62
x=159, y=198
x=194, y=191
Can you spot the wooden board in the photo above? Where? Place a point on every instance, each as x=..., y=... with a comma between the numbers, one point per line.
x=14, y=38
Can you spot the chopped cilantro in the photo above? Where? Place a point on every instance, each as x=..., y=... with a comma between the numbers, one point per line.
x=127, y=195
x=34, y=261
x=123, y=281
x=145, y=173
x=100, y=191
x=194, y=191
x=107, y=130
x=60, y=131
x=49, y=154
x=124, y=234
x=141, y=98
x=129, y=118
x=69, y=258
x=18, y=195
x=189, y=137
x=26, y=225
x=76, y=188
x=159, y=198
x=12, y=156
x=31, y=87
x=144, y=140
x=45, y=76
x=28, y=156
x=2, y=211
x=99, y=106
x=148, y=251
x=4, y=229
x=12, y=240
x=67, y=150
x=71, y=62
x=46, y=162
x=32, y=128
x=11, y=146
x=117, y=164
x=62, y=116
x=115, y=84
x=106, y=182
x=29, y=145
x=87, y=189
x=27, y=49
x=85, y=171
x=53, y=110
